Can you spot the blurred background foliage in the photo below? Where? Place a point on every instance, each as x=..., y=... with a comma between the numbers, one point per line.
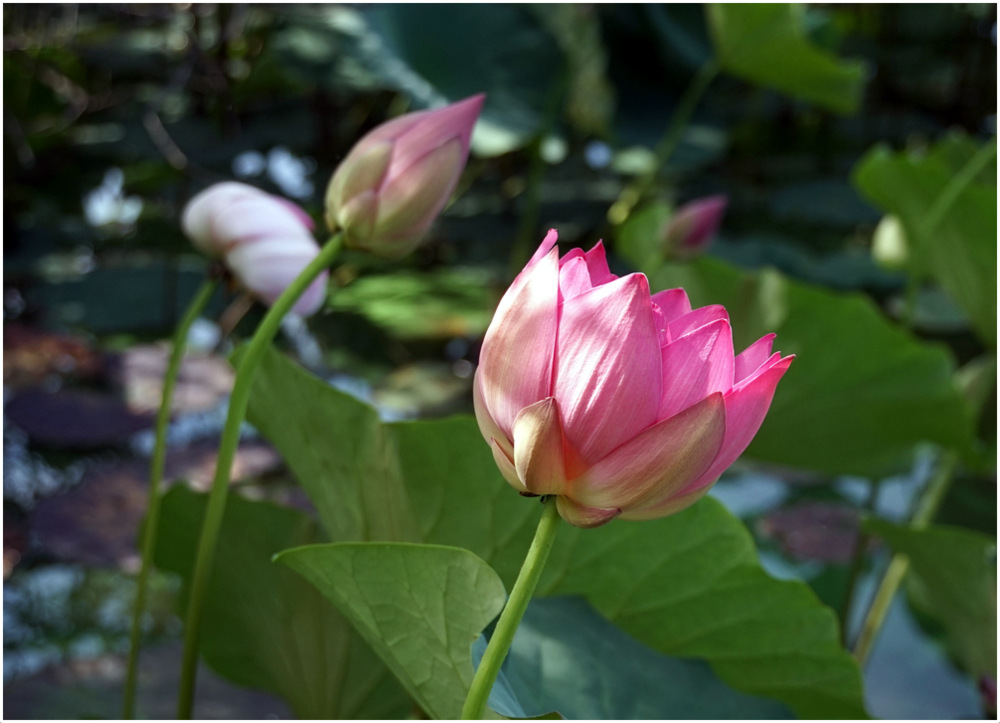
x=856, y=145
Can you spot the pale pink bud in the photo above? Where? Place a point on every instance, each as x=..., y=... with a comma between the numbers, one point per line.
x=393, y=184
x=621, y=403
x=694, y=225
x=264, y=240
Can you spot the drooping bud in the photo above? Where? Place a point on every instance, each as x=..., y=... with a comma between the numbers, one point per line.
x=264, y=240
x=693, y=226
x=395, y=181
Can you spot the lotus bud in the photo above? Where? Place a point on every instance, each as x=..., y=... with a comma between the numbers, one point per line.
x=393, y=184
x=264, y=240
x=693, y=226
x=621, y=403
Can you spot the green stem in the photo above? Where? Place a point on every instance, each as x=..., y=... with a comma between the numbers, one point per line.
x=927, y=505
x=637, y=190
x=194, y=309
x=857, y=565
x=510, y=618
x=246, y=370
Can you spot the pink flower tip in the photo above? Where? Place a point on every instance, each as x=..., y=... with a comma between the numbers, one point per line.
x=694, y=225
x=396, y=180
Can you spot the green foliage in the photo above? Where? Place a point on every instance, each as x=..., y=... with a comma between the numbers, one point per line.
x=767, y=44
x=566, y=657
x=266, y=627
x=415, y=305
x=860, y=393
x=689, y=585
x=954, y=579
x=947, y=202
x=419, y=606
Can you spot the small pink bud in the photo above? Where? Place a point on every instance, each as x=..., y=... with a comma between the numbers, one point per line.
x=393, y=184
x=619, y=402
x=264, y=240
x=693, y=226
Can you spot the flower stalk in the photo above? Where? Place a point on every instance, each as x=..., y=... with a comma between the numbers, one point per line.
x=510, y=618
x=246, y=371
x=156, y=466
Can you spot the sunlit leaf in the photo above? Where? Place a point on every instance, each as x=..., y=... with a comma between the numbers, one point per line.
x=263, y=625
x=950, y=221
x=419, y=606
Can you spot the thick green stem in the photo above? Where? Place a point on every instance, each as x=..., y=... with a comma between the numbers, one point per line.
x=510, y=618
x=927, y=505
x=637, y=190
x=246, y=370
x=194, y=309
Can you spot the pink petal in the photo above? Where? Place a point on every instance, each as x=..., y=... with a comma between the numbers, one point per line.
x=506, y=466
x=597, y=264
x=746, y=407
x=538, y=448
x=487, y=426
x=574, y=277
x=580, y=516
x=515, y=365
x=607, y=377
x=752, y=357
x=673, y=302
x=667, y=507
x=658, y=462
x=696, y=365
x=692, y=320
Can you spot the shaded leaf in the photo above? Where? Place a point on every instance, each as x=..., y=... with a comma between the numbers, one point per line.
x=953, y=574
x=767, y=44
x=566, y=657
x=265, y=627
x=419, y=606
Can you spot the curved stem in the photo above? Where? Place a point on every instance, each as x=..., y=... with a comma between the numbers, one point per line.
x=636, y=191
x=927, y=505
x=510, y=618
x=194, y=309
x=246, y=370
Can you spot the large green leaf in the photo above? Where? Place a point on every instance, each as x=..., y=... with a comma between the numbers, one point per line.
x=266, y=627
x=767, y=44
x=419, y=606
x=337, y=448
x=954, y=578
x=950, y=219
x=861, y=391
x=689, y=585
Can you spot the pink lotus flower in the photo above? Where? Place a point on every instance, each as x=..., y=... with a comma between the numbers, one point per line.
x=694, y=225
x=395, y=181
x=264, y=240
x=621, y=403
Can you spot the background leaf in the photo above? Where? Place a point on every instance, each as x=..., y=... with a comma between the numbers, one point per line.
x=420, y=606
x=860, y=393
x=263, y=625
x=960, y=251
x=953, y=575
x=767, y=44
